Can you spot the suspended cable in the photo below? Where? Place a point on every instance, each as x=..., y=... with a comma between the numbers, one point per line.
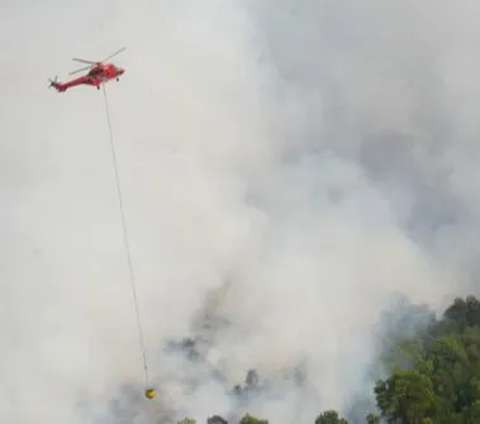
x=126, y=241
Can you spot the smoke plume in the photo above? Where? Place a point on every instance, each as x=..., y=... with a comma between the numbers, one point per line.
x=289, y=169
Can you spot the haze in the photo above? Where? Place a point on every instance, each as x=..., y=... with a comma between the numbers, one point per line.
x=303, y=163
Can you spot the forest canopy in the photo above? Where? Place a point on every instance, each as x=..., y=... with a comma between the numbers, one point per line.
x=433, y=375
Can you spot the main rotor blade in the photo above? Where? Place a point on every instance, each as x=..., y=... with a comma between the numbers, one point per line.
x=91, y=62
x=114, y=54
x=79, y=70
x=84, y=61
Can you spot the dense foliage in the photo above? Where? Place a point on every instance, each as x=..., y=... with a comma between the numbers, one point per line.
x=433, y=375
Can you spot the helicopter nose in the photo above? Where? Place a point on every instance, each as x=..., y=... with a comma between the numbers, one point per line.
x=121, y=71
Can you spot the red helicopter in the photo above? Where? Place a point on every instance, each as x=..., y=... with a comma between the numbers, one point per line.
x=100, y=72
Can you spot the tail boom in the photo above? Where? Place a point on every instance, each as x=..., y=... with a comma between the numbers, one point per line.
x=58, y=86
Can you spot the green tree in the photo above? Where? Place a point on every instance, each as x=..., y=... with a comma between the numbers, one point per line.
x=330, y=417
x=372, y=419
x=406, y=397
x=465, y=313
x=439, y=381
x=216, y=419
x=249, y=419
x=187, y=421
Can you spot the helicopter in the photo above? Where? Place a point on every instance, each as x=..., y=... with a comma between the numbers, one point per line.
x=99, y=73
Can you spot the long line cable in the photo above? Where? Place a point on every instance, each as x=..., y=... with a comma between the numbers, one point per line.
x=125, y=238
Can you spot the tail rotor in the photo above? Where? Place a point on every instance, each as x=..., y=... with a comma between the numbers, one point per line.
x=52, y=82
x=57, y=85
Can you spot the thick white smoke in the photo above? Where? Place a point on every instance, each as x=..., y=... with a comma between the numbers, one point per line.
x=300, y=163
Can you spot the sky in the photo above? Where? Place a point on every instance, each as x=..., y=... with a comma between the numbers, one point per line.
x=303, y=164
